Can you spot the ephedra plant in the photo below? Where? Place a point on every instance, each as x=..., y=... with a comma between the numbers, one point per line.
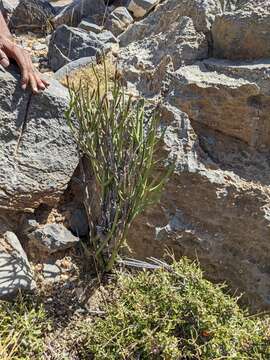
x=119, y=142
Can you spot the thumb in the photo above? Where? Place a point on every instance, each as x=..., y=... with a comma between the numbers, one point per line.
x=4, y=61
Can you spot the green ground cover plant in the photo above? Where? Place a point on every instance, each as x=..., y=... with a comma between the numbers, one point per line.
x=174, y=313
x=22, y=327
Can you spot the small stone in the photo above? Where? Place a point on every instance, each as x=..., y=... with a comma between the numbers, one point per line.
x=28, y=225
x=15, y=274
x=39, y=47
x=35, y=60
x=51, y=272
x=51, y=238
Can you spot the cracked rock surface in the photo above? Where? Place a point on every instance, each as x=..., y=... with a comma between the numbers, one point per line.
x=37, y=151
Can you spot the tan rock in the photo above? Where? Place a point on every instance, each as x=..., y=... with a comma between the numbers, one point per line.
x=243, y=34
x=143, y=63
x=169, y=12
x=234, y=105
x=215, y=208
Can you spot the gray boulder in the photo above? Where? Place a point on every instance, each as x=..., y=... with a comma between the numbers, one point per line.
x=15, y=272
x=140, y=8
x=144, y=63
x=202, y=14
x=37, y=151
x=68, y=44
x=118, y=20
x=73, y=14
x=51, y=238
x=34, y=15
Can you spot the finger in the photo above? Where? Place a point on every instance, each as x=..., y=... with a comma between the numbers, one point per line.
x=4, y=61
x=25, y=78
x=40, y=84
x=33, y=83
x=45, y=82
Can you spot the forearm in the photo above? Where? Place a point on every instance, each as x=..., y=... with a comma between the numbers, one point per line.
x=4, y=30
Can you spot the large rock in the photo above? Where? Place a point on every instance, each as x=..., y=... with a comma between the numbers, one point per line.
x=73, y=13
x=143, y=63
x=68, y=44
x=15, y=274
x=243, y=34
x=37, y=151
x=33, y=15
x=216, y=208
x=159, y=21
x=236, y=103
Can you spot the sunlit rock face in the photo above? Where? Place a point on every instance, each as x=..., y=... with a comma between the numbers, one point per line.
x=37, y=152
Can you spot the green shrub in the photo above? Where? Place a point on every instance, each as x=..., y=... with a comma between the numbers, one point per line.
x=22, y=327
x=120, y=143
x=175, y=314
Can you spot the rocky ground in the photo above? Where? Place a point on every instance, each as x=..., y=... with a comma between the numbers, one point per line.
x=207, y=64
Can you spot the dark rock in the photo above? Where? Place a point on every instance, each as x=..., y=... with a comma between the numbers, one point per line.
x=68, y=44
x=79, y=9
x=32, y=15
x=79, y=222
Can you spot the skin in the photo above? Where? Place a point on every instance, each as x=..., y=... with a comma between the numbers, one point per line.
x=30, y=77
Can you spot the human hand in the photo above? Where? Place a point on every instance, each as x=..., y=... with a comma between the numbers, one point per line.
x=29, y=75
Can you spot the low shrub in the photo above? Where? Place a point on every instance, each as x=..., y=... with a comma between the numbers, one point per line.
x=22, y=326
x=120, y=142
x=175, y=313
